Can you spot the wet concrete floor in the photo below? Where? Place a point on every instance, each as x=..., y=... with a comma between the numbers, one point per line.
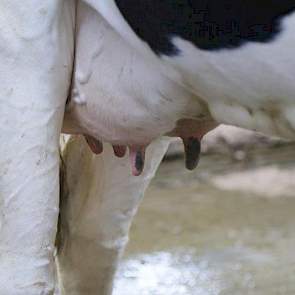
x=227, y=228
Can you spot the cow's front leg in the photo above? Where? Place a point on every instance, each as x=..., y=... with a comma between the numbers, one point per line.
x=99, y=200
x=35, y=67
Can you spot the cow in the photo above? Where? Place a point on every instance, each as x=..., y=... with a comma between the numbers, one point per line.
x=179, y=68
x=125, y=73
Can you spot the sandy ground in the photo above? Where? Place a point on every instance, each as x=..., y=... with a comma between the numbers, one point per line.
x=227, y=228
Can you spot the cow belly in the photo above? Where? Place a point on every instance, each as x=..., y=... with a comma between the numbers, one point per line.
x=125, y=94
x=251, y=86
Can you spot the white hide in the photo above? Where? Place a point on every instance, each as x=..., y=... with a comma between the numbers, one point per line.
x=251, y=86
x=98, y=202
x=36, y=50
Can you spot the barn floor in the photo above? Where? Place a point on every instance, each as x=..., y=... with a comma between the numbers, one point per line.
x=227, y=228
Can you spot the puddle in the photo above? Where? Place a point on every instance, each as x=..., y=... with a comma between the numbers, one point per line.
x=205, y=233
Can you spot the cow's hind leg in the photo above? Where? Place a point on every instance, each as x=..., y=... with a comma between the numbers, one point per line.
x=34, y=75
x=99, y=200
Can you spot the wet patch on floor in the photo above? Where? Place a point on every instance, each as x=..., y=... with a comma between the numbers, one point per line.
x=216, y=231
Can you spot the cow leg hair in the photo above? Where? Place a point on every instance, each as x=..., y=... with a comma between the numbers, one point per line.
x=35, y=54
x=99, y=200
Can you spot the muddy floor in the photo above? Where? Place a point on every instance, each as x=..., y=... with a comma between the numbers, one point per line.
x=227, y=228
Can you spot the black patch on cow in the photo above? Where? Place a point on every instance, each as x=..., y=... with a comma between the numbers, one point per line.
x=209, y=24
